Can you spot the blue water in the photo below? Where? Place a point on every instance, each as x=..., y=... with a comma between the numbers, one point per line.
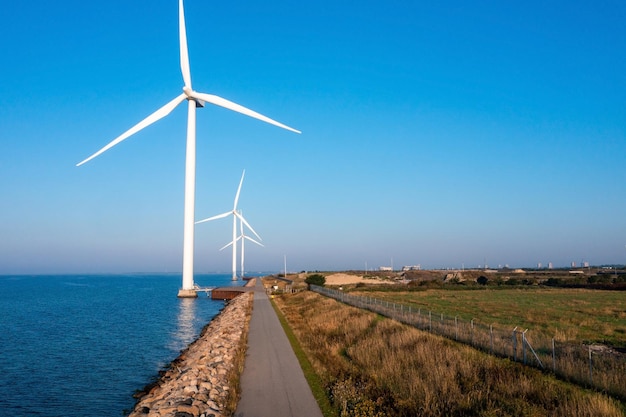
x=82, y=344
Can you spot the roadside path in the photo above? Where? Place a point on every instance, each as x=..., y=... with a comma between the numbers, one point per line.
x=272, y=383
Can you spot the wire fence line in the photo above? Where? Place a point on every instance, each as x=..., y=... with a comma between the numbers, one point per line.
x=595, y=366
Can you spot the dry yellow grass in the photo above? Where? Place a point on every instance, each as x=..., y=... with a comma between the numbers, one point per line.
x=238, y=362
x=374, y=366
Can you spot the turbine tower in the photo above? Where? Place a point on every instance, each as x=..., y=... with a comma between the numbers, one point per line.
x=243, y=238
x=195, y=99
x=236, y=215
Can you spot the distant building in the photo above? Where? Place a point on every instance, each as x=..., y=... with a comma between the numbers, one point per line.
x=550, y=265
x=412, y=268
x=385, y=268
x=573, y=264
x=539, y=265
x=585, y=264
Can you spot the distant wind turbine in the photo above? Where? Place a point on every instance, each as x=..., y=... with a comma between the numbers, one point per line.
x=236, y=215
x=194, y=99
x=242, y=237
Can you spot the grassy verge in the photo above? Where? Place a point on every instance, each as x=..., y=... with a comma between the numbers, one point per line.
x=568, y=314
x=371, y=366
x=317, y=387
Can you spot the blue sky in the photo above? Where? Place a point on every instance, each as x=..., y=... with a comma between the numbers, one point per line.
x=445, y=134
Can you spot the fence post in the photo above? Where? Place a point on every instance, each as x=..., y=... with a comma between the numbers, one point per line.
x=430, y=320
x=524, y=345
x=553, y=357
x=515, y=344
x=527, y=344
x=590, y=367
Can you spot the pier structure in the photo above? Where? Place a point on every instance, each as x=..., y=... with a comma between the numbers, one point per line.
x=216, y=293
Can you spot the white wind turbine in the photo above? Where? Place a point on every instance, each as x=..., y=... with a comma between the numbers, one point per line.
x=236, y=215
x=243, y=238
x=194, y=99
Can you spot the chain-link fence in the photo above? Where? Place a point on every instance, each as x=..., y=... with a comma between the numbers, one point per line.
x=594, y=366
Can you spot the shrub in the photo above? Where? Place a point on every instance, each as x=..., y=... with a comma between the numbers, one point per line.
x=554, y=282
x=316, y=279
x=482, y=280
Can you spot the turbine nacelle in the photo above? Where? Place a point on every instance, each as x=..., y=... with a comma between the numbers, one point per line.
x=199, y=103
x=190, y=96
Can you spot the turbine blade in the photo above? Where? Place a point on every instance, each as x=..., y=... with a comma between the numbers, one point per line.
x=225, y=246
x=247, y=225
x=252, y=240
x=222, y=102
x=184, y=54
x=239, y=190
x=219, y=216
x=157, y=115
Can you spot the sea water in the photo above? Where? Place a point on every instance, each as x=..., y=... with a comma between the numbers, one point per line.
x=83, y=344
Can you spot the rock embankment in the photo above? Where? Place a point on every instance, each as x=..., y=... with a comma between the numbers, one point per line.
x=198, y=382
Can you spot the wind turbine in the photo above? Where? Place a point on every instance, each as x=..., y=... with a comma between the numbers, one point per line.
x=194, y=99
x=243, y=238
x=236, y=215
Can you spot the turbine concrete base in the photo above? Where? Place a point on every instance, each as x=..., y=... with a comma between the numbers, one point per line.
x=187, y=293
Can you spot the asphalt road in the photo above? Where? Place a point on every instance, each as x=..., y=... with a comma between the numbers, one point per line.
x=272, y=383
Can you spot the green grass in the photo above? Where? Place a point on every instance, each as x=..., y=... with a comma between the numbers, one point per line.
x=312, y=378
x=569, y=314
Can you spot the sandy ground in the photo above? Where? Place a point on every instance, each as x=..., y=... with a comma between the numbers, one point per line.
x=344, y=279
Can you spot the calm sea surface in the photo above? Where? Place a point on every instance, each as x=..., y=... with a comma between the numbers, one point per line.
x=82, y=344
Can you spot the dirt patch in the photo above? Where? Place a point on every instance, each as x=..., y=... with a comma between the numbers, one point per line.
x=346, y=279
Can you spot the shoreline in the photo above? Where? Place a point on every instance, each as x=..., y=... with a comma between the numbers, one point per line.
x=203, y=379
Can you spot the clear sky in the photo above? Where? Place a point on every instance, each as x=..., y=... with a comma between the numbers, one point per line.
x=445, y=134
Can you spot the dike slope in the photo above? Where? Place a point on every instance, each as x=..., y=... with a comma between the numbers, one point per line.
x=199, y=382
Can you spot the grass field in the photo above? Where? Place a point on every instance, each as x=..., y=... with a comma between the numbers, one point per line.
x=373, y=366
x=573, y=315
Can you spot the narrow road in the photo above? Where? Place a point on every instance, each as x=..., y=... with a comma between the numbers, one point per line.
x=272, y=383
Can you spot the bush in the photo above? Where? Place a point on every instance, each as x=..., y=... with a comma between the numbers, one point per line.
x=316, y=279
x=554, y=282
x=482, y=280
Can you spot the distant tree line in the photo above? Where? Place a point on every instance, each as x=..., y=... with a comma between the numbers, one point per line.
x=601, y=281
